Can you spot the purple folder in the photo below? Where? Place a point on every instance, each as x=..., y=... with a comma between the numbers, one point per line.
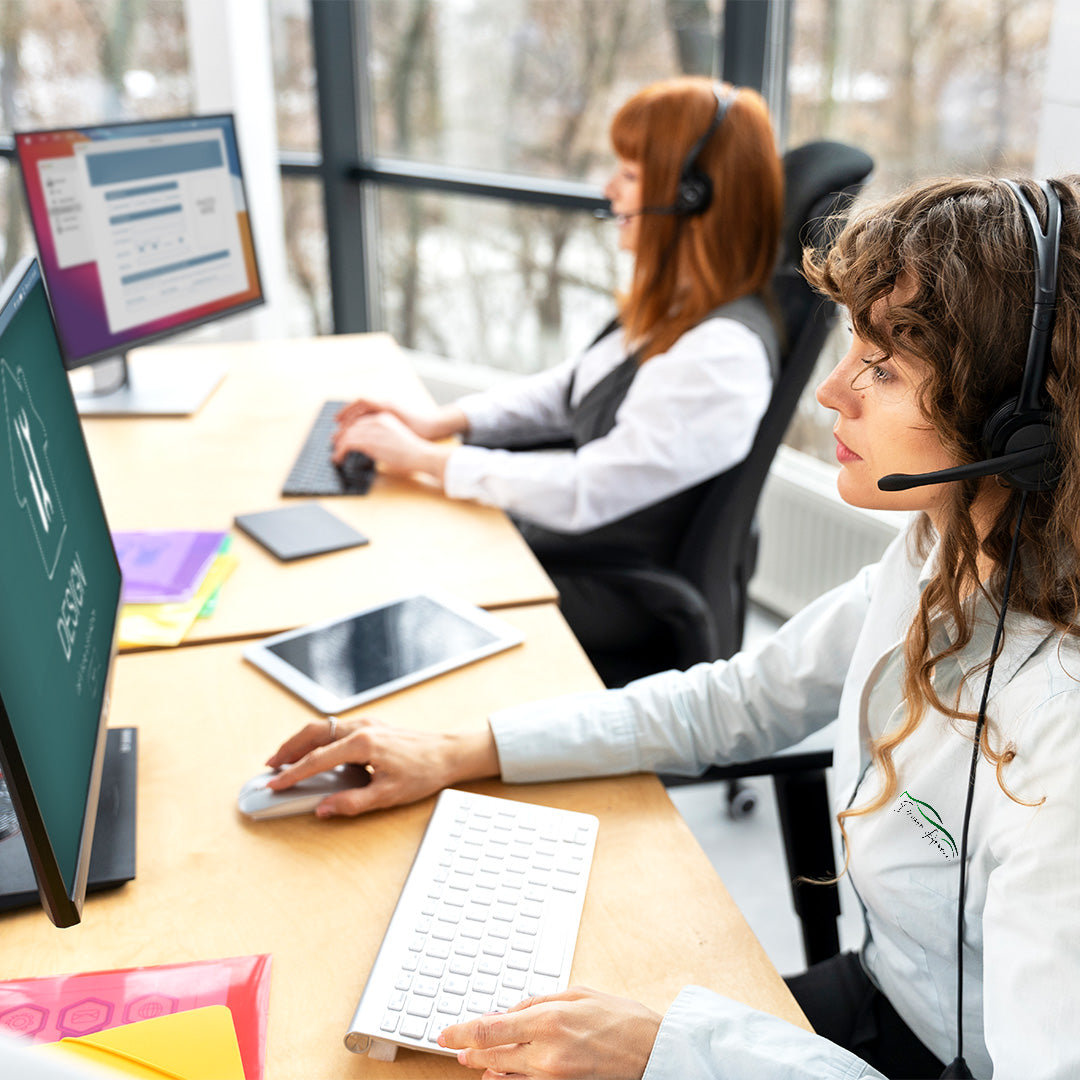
x=164, y=566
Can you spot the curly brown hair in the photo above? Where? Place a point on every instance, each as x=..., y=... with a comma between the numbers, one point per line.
x=961, y=251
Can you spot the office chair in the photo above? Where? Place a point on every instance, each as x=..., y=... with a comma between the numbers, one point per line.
x=699, y=602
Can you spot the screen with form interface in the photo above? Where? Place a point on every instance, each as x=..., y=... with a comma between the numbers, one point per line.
x=142, y=229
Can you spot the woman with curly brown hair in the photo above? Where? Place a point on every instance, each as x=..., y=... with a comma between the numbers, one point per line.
x=946, y=768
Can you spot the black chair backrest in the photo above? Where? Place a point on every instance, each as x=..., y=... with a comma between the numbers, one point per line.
x=821, y=179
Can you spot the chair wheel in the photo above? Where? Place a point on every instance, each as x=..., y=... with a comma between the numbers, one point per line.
x=740, y=802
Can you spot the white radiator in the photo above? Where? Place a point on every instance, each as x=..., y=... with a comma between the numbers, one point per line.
x=811, y=539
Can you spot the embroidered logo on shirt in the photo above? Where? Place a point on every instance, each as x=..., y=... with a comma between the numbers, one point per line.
x=929, y=822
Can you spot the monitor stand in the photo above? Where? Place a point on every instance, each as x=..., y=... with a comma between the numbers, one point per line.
x=112, y=856
x=149, y=386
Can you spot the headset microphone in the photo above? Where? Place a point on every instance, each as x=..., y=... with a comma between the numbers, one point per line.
x=605, y=213
x=1019, y=459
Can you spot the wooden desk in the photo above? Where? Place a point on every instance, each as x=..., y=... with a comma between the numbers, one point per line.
x=233, y=456
x=318, y=895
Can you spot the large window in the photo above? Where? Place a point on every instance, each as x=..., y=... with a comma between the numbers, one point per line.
x=521, y=86
x=926, y=87
x=519, y=94
x=513, y=87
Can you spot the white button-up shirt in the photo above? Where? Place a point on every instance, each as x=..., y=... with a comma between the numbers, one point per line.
x=690, y=414
x=842, y=657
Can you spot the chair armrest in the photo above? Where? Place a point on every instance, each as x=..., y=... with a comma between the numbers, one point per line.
x=667, y=596
x=777, y=765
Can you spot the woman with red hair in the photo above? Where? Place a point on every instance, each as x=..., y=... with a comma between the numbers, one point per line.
x=603, y=456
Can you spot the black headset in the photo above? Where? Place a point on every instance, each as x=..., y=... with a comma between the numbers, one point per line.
x=694, y=192
x=1019, y=437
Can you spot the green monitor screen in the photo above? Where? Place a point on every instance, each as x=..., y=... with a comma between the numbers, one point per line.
x=59, y=602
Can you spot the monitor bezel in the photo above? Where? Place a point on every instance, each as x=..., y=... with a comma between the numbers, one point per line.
x=72, y=363
x=63, y=908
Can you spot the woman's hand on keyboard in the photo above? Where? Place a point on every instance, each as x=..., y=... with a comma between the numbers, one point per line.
x=429, y=422
x=579, y=1033
x=392, y=443
x=405, y=765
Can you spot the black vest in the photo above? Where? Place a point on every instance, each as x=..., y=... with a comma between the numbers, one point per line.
x=651, y=535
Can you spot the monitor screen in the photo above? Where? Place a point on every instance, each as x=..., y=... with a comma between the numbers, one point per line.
x=59, y=602
x=142, y=229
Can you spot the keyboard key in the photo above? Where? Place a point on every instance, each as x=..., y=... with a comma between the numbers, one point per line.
x=457, y=984
x=540, y=986
x=420, y=1006
x=518, y=961
x=479, y=1003
x=449, y=1005
x=389, y=1022
x=461, y=965
x=565, y=882
x=413, y=1027
x=549, y=950
x=432, y=968
x=485, y=984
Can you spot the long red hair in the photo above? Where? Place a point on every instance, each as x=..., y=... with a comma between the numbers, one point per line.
x=686, y=266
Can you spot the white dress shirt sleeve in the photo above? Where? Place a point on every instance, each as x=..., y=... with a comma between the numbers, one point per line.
x=709, y=1037
x=523, y=410
x=690, y=413
x=681, y=722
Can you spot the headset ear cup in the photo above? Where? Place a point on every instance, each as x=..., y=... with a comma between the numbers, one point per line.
x=694, y=193
x=996, y=428
x=1009, y=431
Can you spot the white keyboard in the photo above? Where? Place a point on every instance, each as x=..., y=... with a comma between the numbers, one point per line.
x=488, y=916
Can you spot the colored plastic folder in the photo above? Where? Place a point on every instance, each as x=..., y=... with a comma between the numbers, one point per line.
x=164, y=566
x=199, y=1044
x=166, y=624
x=51, y=1008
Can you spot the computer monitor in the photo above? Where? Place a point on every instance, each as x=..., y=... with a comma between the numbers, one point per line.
x=142, y=231
x=59, y=602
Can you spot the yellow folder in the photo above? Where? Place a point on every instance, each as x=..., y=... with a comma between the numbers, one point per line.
x=199, y=1044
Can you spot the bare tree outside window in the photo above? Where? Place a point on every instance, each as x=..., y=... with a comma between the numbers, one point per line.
x=70, y=62
x=927, y=88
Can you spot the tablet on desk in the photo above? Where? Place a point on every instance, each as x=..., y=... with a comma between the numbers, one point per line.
x=343, y=662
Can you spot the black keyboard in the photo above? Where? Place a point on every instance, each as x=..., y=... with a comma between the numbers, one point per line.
x=313, y=473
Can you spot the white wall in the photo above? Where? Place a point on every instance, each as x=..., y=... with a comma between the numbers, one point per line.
x=1058, y=148
x=232, y=71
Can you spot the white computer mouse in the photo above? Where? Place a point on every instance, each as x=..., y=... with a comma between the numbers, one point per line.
x=258, y=801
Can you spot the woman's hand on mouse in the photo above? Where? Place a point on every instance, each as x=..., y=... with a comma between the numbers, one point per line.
x=579, y=1033
x=405, y=765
